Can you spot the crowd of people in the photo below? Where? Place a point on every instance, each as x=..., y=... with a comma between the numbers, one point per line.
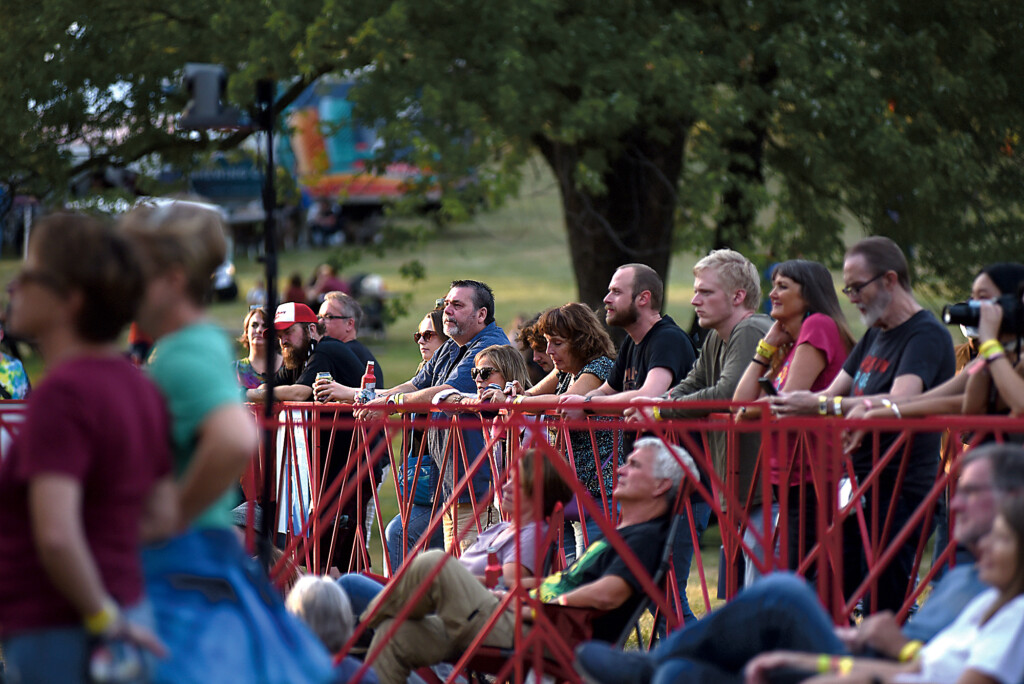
x=117, y=536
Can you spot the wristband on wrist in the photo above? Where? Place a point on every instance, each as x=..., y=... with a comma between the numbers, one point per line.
x=994, y=357
x=822, y=404
x=104, y=619
x=824, y=663
x=837, y=406
x=990, y=347
x=760, y=362
x=844, y=666
x=656, y=412
x=910, y=651
x=519, y=399
x=892, y=407
x=562, y=601
x=766, y=350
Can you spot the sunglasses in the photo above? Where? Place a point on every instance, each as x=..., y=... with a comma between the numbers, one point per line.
x=426, y=336
x=483, y=372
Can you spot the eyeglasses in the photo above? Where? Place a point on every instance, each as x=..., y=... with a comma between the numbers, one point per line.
x=426, y=336
x=483, y=372
x=332, y=317
x=854, y=290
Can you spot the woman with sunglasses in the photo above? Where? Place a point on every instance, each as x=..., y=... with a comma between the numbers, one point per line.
x=498, y=365
x=252, y=370
x=400, y=538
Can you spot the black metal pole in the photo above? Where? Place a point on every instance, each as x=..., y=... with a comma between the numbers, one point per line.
x=265, y=112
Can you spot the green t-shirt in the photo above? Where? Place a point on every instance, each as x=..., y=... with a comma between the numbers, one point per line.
x=193, y=369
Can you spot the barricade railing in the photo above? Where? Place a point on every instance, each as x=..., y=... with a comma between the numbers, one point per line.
x=816, y=451
x=876, y=505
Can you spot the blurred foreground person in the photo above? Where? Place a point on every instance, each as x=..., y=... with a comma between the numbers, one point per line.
x=215, y=609
x=89, y=473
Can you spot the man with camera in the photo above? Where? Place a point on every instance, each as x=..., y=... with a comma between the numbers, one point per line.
x=905, y=352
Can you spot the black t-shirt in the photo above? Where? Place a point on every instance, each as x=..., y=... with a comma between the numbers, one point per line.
x=921, y=346
x=331, y=356
x=646, y=540
x=334, y=357
x=364, y=354
x=665, y=345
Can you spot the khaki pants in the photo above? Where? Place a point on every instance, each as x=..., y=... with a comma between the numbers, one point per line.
x=487, y=515
x=443, y=623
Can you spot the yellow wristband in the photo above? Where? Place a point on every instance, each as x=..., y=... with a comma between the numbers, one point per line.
x=824, y=663
x=656, y=412
x=822, y=404
x=766, y=350
x=837, y=406
x=990, y=347
x=845, y=666
x=910, y=651
x=104, y=619
x=519, y=399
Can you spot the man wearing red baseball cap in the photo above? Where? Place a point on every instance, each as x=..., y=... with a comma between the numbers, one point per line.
x=307, y=351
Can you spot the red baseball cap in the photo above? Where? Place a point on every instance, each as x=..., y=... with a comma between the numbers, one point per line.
x=291, y=313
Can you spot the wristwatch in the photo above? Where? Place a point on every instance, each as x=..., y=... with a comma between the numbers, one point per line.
x=587, y=409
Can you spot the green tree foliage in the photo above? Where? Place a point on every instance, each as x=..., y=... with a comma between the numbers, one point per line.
x=667, y=124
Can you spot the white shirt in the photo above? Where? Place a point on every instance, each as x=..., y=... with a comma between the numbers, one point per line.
x=995, y=649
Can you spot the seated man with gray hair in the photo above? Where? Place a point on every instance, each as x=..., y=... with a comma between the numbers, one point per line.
x=457, y=606
x=324, y=607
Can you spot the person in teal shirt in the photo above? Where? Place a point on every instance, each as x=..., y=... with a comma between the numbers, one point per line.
x=215, y=608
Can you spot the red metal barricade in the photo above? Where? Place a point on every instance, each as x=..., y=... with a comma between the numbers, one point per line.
x=809, y=475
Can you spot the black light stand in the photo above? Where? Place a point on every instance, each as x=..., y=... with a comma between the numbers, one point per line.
x=265, y=123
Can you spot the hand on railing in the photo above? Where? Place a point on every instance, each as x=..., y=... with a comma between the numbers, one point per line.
x=797, y=403
x=571, y=406
x=642, y=409
x=377, y=409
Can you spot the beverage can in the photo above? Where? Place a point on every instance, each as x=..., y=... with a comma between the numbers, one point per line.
x=322, y=375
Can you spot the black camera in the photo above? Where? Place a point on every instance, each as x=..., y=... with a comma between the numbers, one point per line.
x=968, y=313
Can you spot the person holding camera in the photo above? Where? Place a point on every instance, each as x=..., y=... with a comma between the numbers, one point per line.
x=992, y=282
x=1000, y=328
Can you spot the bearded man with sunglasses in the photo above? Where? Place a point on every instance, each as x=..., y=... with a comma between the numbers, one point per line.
x=469, y=323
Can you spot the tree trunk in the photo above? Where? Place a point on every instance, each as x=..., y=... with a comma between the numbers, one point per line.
x=633, y=220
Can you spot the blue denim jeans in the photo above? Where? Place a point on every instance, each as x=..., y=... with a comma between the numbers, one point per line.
x=360, y=590
x=58, y=655
x=779, y=611
x=419, y=519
